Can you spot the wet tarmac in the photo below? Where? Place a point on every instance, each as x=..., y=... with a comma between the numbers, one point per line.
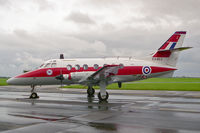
x=70, y=111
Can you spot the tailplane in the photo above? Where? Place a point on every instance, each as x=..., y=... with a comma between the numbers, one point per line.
x=168, y=53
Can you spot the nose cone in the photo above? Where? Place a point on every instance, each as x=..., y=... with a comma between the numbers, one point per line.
x=11, y=81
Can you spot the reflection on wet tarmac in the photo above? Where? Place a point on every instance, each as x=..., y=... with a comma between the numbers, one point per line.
x=90, y=100
x=104, y=126
x=110, y=127
x=71, y=111
x=102, y=105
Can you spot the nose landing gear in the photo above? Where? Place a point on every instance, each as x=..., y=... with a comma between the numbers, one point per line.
x=33, y=95
x=90, y=91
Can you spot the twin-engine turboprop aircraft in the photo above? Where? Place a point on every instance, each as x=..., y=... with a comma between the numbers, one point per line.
x=104, y=71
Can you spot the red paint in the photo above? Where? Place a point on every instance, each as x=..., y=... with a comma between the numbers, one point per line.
x=155, y=69
x=111, y=65
x=127, y=70
x=180, y=32
x=164, y=45
x=70, y=77
x=162, y=54
x=173, y=38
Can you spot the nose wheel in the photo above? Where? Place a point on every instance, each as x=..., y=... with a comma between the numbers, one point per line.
x=33, y=95
x=90, y=91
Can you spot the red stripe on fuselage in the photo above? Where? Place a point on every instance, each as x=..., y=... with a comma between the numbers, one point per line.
x=155, y=69
x=127, y=70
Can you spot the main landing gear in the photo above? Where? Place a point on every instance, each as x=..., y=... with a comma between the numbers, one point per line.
x=33, y=95
x=102, y=95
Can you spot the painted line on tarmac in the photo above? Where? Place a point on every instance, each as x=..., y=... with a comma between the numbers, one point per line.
x=179, y=110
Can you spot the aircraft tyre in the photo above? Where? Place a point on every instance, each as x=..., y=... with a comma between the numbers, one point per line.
x=90, y=92
x=34, y=95
x=105, y=98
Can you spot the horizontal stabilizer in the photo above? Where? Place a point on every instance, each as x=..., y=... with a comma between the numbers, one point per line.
x=175, y=49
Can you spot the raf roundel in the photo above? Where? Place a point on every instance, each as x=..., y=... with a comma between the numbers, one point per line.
x=49, y=72
x=146, y=70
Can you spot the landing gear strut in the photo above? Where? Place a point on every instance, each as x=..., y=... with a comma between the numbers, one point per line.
x=90, y=91
x=103, y=94
x=33, y=94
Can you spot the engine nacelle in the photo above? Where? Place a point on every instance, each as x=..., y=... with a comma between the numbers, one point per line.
x=77, y=75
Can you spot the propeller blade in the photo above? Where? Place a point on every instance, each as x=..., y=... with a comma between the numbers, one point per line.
x=119, y=84
x=60, y=77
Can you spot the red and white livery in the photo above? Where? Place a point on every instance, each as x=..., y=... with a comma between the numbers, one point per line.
x=104, y=71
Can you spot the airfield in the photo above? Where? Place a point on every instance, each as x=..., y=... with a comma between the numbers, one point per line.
x=70, y=111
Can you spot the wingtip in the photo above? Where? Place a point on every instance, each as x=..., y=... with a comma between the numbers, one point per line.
x=189, y=47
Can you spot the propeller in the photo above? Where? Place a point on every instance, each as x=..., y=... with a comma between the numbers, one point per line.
x=61, y=78
x=119, y=84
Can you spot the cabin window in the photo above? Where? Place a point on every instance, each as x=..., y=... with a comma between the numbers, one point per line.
x=77, y=67
x=53, y=65
x=121, y=65
x=48, y=65
x=85, y=66
x=69, y=67
x=96, y=66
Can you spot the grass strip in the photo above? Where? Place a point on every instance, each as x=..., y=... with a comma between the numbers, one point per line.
x=3, y=81
x=171, y=84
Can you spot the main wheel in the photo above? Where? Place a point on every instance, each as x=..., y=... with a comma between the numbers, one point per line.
x=90, y=92
x=104, y=98
x=34, y=95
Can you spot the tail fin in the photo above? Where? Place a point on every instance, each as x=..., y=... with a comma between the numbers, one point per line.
x=168, y=53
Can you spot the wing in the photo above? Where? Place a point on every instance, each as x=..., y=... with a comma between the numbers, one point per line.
x=105, y=74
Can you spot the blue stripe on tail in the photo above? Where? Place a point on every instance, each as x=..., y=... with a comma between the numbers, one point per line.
x=173, y=45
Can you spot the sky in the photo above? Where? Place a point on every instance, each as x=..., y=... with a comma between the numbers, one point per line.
x=32, y=31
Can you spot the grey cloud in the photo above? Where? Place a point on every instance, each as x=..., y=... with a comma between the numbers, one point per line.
x=21, y=33
x=111, y=30
x=103, y=4
x=79, y=17
x=23, y=50
x=4, y=3
x=45, y=5
x=181, y=8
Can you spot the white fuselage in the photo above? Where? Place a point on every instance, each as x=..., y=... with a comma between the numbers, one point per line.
x=75, y=70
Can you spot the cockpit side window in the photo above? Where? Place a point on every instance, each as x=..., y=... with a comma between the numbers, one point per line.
x=48, y=65
x=42, y=66
x=53, y=65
